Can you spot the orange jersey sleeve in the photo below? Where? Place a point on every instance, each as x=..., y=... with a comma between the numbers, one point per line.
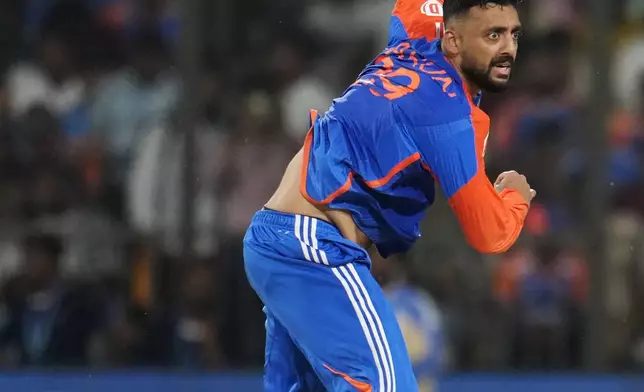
x=491, y=222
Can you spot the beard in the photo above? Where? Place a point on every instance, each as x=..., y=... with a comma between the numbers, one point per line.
x=481, y=76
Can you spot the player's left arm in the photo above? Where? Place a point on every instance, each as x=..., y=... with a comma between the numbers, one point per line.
x=491, y=221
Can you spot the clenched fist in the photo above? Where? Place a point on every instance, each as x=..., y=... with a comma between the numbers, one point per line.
x=518, y=182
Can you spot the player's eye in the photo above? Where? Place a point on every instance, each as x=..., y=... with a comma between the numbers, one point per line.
x=516, y=35
x=493, y=35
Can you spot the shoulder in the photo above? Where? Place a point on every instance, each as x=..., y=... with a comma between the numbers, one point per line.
x=401, y=86
x=439, y=99
x=422, y=88
x=361, y=105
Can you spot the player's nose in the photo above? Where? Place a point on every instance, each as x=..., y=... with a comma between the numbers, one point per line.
x=510, y=47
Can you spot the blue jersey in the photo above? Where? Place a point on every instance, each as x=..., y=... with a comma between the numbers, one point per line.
x=407, y=123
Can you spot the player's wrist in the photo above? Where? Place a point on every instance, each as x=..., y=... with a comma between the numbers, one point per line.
x=514, y=195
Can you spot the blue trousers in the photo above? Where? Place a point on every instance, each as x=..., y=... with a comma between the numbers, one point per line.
x=328, y=324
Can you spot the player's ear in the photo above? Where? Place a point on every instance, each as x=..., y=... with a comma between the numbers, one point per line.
x=450, y=43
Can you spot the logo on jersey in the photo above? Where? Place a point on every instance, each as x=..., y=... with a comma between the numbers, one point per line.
x=432, y=8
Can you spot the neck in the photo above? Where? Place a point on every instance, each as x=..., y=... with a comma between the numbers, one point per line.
x=471, y=88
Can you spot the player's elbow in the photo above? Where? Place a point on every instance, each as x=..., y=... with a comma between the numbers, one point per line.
x=492, y=247
x=489, y=241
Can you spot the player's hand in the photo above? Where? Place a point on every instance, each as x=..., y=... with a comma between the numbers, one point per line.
x=516, y=181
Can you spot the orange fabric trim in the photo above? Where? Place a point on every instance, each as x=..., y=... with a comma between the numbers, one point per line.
x=394, y=170
x=360, y=386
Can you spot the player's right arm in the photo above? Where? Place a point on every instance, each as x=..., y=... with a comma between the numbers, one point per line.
x=491, y=220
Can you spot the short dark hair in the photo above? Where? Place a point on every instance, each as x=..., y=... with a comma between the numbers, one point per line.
x=454, y=8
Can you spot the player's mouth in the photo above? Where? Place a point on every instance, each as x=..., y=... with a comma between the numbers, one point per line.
x=502, y=69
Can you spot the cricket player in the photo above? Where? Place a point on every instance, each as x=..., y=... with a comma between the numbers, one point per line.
x=365, y=176
x=419, y=318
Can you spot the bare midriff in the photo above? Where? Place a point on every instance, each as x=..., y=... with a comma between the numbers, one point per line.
x=288, y=198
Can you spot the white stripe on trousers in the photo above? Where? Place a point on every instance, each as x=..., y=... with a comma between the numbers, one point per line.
x=305, y=231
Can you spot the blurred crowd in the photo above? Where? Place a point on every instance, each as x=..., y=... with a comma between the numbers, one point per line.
x=92, y=183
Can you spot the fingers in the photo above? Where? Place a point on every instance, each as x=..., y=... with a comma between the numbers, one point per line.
x=507, y=179
x=504, y=175
x=514, y=180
